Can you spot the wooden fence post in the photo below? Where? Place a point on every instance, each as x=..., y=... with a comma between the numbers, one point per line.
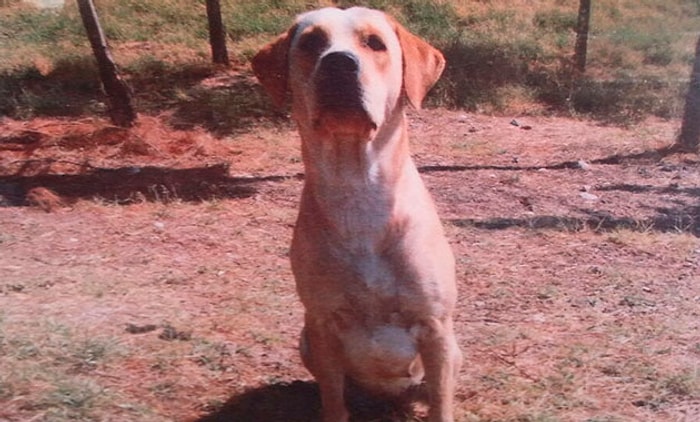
x=217, y=34
x=119, y=97
x=689, y=138
x=582, y=28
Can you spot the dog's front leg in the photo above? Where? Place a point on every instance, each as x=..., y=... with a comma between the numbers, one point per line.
x=441, y=359
x=322, y=355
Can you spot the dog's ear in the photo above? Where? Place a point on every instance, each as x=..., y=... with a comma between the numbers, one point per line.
x=271, y=67
x=422, y=65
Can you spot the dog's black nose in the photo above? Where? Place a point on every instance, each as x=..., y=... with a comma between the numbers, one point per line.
x=337, y=84
x=339, y=62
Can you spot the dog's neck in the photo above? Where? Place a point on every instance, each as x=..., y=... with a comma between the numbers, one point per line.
x=351, y=186
x=348, y=163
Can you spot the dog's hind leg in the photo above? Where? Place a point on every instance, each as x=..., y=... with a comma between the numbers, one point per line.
x=441, y=359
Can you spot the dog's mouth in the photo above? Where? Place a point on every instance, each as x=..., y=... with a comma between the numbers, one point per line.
x=346, y=123
x=340, y=107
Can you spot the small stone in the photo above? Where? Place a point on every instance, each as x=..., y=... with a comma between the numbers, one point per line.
x=140, y=329
x=583, y=165
x=588, y=196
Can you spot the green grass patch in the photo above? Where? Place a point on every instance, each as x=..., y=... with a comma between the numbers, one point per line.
x=47, y=366
x=70, y=399
x=639, y=54
x=555, y=20
x=249, y=17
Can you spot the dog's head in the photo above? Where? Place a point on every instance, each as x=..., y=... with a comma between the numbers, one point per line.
x=347, y=71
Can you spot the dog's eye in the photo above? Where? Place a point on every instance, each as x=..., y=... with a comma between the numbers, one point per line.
x=375, y=43
x=313, y=42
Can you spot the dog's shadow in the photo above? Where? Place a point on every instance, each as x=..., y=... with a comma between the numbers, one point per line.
x=299, y=401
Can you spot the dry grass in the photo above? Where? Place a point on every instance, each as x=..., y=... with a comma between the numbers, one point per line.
x=593, y=341
x=185, y=309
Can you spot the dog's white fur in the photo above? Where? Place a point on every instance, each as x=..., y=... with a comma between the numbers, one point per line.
x=372, y=265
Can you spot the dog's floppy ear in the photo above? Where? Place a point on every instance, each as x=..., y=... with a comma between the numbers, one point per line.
x=271, y=67
x=422, y=65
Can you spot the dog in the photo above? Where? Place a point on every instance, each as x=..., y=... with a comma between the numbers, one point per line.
x=372, y=266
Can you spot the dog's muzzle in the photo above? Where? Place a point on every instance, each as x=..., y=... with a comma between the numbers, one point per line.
x=337, y=82
x=340, y=106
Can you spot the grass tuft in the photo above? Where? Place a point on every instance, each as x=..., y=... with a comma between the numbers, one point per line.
x=555, y=20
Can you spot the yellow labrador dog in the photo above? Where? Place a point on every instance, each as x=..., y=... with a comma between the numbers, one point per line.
x=372, y=265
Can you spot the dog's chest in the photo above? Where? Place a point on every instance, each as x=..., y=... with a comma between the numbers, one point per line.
x=358, y=254
x=373, y=272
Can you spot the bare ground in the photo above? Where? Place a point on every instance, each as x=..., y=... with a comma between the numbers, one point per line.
x=144, y=272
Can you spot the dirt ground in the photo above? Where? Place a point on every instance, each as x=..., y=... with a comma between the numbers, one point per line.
x=144, y=272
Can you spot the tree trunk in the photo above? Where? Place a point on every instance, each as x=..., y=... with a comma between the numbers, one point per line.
x=217, y=34
x=689, y=138
x=581, y=49
x=118, y=94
